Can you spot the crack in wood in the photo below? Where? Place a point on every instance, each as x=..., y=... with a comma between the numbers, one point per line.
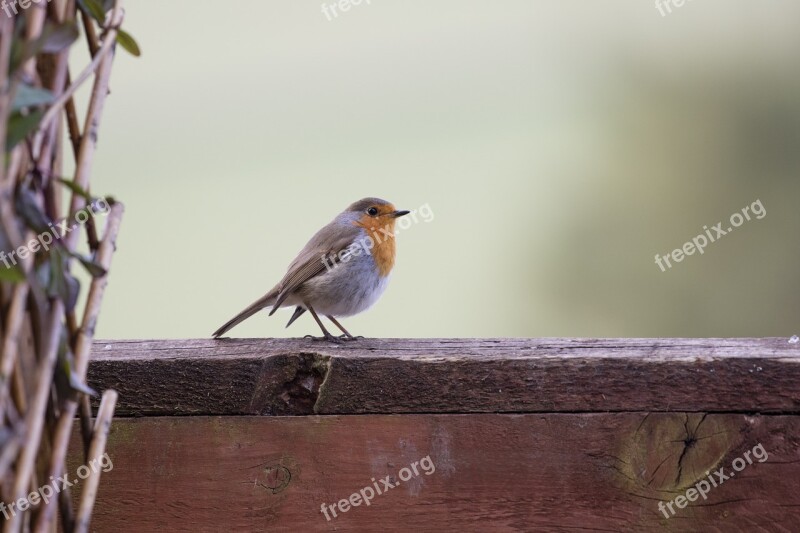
x=301, y=392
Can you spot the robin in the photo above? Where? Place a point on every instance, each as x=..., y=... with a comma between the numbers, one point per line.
x=341, y=271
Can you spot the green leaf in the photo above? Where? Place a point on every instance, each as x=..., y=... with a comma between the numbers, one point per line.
x=78, y=386
x=20, y=126
x=29, y=96
x=127, y=42
x=10, y=271
x=18, y=53
x=55, y=38
x=73, y=290
x=77, y=189
x=11, y=274
x=62, y=372
x=62, y=284
x=56, y=285
x=30, y=211
x=95, y=9
x=66, y=380
x=93, y=268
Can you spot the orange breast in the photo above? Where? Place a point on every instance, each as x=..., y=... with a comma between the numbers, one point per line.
x=381, y=231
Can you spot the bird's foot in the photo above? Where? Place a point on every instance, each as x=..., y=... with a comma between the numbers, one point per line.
x=328, y=337
x=349, y=337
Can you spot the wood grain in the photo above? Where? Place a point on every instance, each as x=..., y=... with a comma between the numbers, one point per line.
x=493, y=472
x=300, y=377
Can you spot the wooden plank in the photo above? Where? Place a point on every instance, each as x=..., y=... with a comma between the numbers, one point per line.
x=490, y=472
x=296, y=376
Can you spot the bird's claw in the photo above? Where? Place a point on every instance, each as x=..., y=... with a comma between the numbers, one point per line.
x=329, y=338
x=350, y=337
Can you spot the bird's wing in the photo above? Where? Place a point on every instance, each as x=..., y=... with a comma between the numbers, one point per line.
x=327, y=243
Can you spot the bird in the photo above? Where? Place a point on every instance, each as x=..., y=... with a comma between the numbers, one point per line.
x=342, y=270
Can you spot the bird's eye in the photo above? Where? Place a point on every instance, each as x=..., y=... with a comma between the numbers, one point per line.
x=372, y=211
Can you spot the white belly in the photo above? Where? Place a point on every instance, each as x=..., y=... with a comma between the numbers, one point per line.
x=346, y=289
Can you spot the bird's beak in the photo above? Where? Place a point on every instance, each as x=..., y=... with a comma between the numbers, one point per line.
x=397, y=214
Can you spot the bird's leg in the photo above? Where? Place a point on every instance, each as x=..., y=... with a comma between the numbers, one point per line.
x=346, y=336
x=326, y=334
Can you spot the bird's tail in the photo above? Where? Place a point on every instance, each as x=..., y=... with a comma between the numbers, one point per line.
x=297, y=312
x=265, y=301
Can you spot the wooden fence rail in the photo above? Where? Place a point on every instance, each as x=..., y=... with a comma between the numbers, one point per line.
x=473, y=434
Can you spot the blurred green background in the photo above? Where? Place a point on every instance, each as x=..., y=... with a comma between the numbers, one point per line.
x=560, y=146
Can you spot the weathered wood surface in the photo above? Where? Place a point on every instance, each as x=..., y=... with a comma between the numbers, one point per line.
x=297, y=377
x=493, y=472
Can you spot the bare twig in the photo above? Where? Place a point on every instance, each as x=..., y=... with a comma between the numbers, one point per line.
x=106, y=49
x=96, y=450
x=91, y=34
x=6, y=33
x=83, y=346
x=28, y=314
x=34, y=419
